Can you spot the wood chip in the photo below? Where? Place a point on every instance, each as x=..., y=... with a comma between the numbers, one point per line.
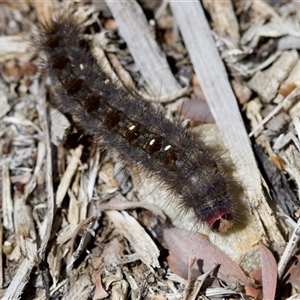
x=136, y=235
x=266, y=83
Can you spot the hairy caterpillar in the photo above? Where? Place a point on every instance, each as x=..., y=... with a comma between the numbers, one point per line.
x=183, y=163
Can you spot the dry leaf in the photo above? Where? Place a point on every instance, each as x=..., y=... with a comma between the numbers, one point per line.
x=183, y=244
x=269, y=272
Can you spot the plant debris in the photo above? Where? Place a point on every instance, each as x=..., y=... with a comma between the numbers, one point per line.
x=78, y=223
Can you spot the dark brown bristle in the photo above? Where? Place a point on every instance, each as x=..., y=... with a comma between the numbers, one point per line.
x=155, y=145
x=113, y=119
x=53, y=42
x=93, y=103
x=133, y=134
x=60, y=62
x=74, y=86
x=171, y=157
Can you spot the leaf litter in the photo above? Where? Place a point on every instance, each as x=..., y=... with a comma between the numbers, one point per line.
x=91, y=237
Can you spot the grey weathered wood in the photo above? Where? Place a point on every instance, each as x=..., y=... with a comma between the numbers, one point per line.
x=151, y=61
x=224, y=19
x=210, y=70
